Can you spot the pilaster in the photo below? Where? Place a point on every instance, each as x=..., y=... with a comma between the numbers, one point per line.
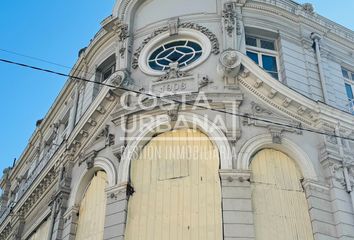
x=60, y=202
x=234, y=34
x=237, y=210
x=320, y=210
x=71, y=218
x=340, y=199
x=116, y=212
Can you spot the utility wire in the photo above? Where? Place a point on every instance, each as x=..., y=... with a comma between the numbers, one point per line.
x=34, y=58
x=178, y=101
x=42, y=60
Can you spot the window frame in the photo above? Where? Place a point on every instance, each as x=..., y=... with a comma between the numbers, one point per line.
x=263, y=51
x=349, y=81
x=110, y=68
x=163, y=47
x=187, y=34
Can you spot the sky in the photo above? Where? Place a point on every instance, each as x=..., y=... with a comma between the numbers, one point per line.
x=55, y=31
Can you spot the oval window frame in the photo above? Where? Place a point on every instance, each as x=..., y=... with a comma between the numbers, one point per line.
x=164, y=38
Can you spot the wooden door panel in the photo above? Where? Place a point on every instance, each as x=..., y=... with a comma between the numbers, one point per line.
x=280, y=206
x=93, y=209
x=177, y=189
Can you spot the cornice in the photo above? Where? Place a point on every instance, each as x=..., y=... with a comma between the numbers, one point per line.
x=45, y=185
x=296, y=13
x=217, y=101
x=92, y=121
x=288, y=101
x=100, y=38
x=45, y=126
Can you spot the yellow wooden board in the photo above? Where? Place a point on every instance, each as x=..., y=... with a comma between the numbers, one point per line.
x=280, y=205
x=92, y=210
x=177, y=189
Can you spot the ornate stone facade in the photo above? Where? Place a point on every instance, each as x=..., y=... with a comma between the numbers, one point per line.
x=227, y=96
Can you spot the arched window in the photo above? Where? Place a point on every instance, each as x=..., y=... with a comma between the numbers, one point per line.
x=93, y=209
x=279, y=201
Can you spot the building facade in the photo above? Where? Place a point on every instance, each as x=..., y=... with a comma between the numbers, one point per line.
x=195, y=119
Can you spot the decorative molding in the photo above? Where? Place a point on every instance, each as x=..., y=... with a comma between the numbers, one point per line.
x=118, y=151
x=101, y=109
x=173, y=73
x=258, y=109
x=120, y=29
x=337, y=172
x=229, y=17
x=92, y=122
x=6, y=232
x=235, y=175
x=229, y=63
x=173, y=26
x=136, y=55
x=173, y=113
x=203, y=81
x=277, y=134
x=117, y=78
x=311, y=185
x=108, y=137
x=84, y=133
x=308, y=8
x=212, y=37
x=286, y=102
x=38, y=192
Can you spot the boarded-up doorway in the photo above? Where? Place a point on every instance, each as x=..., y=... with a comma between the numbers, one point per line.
x=280, y=205
x=177, y=189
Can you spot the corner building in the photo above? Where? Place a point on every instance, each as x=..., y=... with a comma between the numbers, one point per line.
x=252, y=137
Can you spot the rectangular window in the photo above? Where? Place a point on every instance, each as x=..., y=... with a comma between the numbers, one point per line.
x=345, y=73
x=107, y=73
x=349, y=90
x=103, y=72
x=263, y=53
x=349, y=87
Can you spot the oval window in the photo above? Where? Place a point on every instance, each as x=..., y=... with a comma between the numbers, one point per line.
x=183, y=52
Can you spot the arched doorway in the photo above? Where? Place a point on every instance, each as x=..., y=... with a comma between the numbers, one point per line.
x=93, y=209
x=279, y=201
x=177, y=189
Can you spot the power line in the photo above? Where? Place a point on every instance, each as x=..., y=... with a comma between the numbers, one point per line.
x=34, y=58
x=64, y=66
x=177, y=101
x=41, y=60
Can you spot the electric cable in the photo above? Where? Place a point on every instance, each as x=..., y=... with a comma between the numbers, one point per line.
x=177, y=101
